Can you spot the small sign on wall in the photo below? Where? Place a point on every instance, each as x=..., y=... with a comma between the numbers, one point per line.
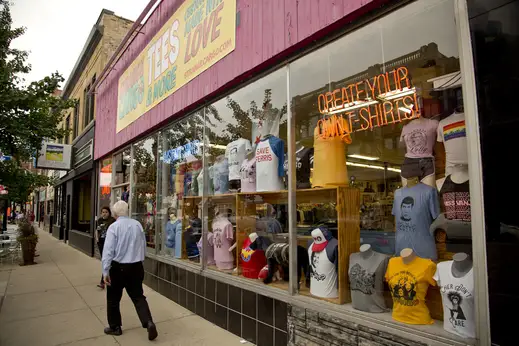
x=55, y=156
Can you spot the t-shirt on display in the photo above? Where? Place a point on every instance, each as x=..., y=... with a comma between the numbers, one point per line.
x=248, y=175
x=270, y=155
x=366, y=277
x=223, y=240
x=458, y=300
x=452, y=132
x=329, y=161
x=455, y=199
x=414, y=209
x=304, y=164
x=221, y=176
x=419, y=136
x=323, y=270
x=235, y=154
x=408, y=284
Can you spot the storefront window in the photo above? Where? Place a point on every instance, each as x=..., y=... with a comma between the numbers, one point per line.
x=382, y=169
x=105, y=183
x=180, y=189
x=122, y=162
x=143, y=194
x=246, y=198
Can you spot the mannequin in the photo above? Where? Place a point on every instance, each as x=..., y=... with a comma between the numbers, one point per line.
x=270, y=156
x=414, y=209
x=452, y=132
x=407, y=255
x=174, y=235
x=409, y=277
x=324, y=258
x=235, y=154
x=253, y=257
x=366, y=274
x=461, y=264
x=248, y=173
x=456, y=282
x=419, y=136
x=459, y=175
x=223, y=240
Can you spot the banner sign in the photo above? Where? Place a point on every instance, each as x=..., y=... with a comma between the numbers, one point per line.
x=198, y=34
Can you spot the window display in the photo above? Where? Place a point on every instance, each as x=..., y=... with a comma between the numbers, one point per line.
x=105, y=183
x=143, y=187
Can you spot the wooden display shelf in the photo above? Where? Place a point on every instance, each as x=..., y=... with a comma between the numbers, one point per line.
x=347, y=202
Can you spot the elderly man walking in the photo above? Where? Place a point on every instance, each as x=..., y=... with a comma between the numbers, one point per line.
x=123, y=254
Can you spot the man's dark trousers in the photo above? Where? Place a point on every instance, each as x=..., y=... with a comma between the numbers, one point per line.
x=129, y=276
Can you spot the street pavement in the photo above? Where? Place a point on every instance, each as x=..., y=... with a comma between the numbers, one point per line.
x=56, y=302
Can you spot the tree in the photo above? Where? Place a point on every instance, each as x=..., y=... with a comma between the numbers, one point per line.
x=29, y=113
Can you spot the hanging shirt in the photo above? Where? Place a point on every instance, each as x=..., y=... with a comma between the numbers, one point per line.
x=458, y=300
x=452, y=132
x=200, y=182
x=419, y=136
x=323, y=270
x=408, y=284
x=329, y=161
x=414, y=209
x=172, y=228
x=221, y=177
x=304, y=164
x=270, y=155
x=223, y=240
x=455, y=199
x=248, y=175
x=236, y=152
x=366, y=277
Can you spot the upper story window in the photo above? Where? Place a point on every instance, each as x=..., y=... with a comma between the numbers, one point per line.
x=88, y=103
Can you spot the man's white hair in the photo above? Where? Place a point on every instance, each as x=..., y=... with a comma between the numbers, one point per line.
x=120, y=208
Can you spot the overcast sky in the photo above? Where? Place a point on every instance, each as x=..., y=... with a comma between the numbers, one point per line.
x=58, y=29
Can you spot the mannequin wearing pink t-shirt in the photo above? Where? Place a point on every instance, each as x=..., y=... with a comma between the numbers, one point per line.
x=223, y=239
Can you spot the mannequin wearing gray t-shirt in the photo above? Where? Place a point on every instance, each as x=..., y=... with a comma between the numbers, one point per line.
x=366, y=274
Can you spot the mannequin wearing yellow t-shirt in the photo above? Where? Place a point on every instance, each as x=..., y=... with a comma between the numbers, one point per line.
x=409, y=277
x=330, y=154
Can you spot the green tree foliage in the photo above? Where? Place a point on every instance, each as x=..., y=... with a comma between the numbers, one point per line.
x=29, y=112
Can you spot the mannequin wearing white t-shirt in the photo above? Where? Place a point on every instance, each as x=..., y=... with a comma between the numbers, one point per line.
x=461, y=265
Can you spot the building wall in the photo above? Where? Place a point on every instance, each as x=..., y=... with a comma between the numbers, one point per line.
x=266, y=32
x=114, y=30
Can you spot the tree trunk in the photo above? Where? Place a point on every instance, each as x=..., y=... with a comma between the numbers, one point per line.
x=28, y=252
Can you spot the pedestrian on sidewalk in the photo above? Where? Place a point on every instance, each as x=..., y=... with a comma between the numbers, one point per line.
x=103, y=223
x=123, y=254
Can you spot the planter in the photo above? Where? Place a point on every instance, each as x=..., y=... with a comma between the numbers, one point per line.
x=28, y=251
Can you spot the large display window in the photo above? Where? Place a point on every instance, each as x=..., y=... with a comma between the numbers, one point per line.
x=342, y=176
x=180, y=189
x=105, y=184
x=143, y=187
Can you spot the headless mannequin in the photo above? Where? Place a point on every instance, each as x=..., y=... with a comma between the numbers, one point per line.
x=459, y=175
x=461, y=265
x=407, y=255
x=428, y=180
x=366, y=251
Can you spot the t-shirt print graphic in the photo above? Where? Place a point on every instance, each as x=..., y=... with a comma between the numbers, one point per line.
x=457, y=205
x=454, y=130
x=457, y=317
x=404, y=291
x=218, y=237
x=361, y=280
x=417, y=142
x=315, y=264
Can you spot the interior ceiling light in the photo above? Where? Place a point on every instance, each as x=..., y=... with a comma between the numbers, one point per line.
x=363, y=157
x=355, y=164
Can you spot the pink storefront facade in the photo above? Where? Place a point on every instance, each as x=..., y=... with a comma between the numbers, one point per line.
x=269, y=184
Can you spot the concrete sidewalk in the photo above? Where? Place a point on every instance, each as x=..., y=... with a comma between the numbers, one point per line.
x=56, y=302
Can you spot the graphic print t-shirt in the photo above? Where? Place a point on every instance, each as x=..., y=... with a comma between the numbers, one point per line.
x=304, y=164
x=221, y=177
x=323, y=271
x=252, y=261
x=248, y=175
x=458, y=300
x=414, y=209
x=452, y=132
x=408, y=284
x=366, y=277
x=270, y=156
x=455, y=199
x=235, y=153
x=419, y=136
x=223, y=239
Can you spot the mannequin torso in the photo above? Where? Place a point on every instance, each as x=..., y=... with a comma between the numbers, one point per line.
x=461, y=265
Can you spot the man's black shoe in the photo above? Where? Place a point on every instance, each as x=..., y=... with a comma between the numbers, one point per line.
x=152, y=331
x=113, y=331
